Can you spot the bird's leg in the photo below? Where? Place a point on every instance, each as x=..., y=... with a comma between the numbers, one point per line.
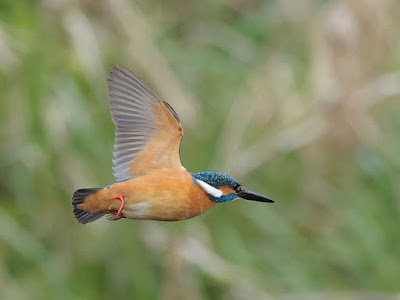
x=118, y=215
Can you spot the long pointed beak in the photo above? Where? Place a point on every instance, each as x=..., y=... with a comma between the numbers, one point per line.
x=253, y=196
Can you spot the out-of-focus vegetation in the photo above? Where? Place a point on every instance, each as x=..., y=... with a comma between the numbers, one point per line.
x=297, y=99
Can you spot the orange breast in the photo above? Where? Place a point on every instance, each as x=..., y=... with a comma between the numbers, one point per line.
x=164, y=195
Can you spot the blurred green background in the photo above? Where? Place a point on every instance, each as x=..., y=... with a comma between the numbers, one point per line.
x=299, y=100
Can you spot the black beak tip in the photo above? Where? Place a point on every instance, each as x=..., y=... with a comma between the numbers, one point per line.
x=253, y=196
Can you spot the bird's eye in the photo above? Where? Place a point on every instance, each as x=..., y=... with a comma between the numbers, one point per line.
x=237, y=188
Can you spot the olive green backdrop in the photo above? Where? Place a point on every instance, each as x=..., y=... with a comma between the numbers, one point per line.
x=299, y=100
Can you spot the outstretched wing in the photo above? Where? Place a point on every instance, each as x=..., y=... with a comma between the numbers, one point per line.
x=148, y=130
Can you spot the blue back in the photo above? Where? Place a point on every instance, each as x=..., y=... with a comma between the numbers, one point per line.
x=217, y=179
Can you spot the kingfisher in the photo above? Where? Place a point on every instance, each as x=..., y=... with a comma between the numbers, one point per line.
x=150, y=181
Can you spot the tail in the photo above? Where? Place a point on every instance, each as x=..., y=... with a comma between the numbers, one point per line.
x=79, y=197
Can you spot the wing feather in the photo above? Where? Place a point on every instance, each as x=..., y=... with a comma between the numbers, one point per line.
x=148, y=130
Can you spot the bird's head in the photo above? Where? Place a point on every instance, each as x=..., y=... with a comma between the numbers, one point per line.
x=223, y=188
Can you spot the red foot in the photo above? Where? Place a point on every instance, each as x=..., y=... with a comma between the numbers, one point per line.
x=118, y=214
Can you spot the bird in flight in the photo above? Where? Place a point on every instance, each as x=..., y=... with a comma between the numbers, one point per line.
x=151, y=183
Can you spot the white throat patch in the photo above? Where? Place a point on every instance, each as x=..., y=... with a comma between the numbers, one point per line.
x=209, y=189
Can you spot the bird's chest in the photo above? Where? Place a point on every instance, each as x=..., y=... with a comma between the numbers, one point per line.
x=167, y=201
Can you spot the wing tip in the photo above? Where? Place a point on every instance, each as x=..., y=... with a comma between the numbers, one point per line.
x=122, y=67
x=122, y=72
x=118, y=69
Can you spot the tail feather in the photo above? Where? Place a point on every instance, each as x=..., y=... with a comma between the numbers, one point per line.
x=79, y=197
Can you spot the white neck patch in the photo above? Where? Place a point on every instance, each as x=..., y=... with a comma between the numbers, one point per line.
x=212, y=191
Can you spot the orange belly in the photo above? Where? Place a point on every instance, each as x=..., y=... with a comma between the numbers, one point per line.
x=164, y=195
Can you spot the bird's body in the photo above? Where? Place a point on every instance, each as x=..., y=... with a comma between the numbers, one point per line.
x=171, y=196
x=151, y=182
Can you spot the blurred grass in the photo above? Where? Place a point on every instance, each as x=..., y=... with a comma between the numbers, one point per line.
x=297, y=99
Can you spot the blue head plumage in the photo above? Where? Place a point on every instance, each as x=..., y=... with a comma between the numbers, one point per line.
x=217, y=179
